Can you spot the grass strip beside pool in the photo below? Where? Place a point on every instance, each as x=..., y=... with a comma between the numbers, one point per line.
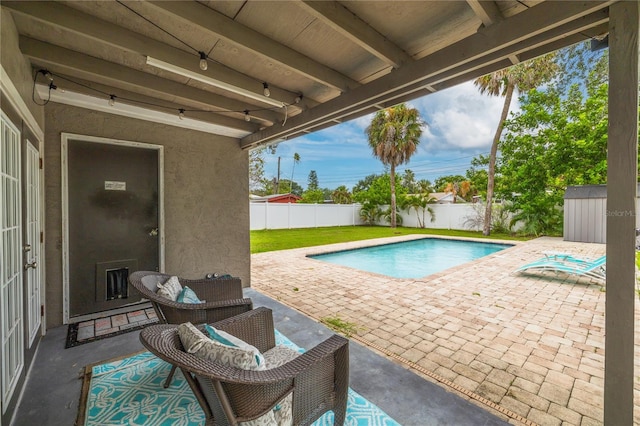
x=285, y=239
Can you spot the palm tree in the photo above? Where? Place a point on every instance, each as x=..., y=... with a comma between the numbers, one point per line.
x=524, y=77
x=296, y=160
x=394, y=135
x=419, y=202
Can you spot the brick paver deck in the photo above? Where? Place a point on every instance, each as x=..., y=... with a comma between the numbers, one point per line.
x=529, y=346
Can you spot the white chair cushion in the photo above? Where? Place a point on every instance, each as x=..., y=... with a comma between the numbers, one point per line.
x=170, y=289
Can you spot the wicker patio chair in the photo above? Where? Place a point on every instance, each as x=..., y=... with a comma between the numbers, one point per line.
x=318, y=378
x=222, y=299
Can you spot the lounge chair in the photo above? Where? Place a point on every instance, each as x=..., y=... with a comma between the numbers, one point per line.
x=222, y=298
x=318, y=379
x=568, y=264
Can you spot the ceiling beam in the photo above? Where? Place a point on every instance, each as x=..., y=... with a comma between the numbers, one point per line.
x=221, y=26
x=101, y=71
x=532, y=28
x=487, y=11
x=103, y=32
x=347, y=23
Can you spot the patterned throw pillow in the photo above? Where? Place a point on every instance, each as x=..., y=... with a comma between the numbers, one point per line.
x=188, y=296
x=233, y=353
x=171, y=289
x=275, y=357
x=220, y=347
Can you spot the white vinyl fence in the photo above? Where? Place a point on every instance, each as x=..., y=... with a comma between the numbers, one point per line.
x=286, y=216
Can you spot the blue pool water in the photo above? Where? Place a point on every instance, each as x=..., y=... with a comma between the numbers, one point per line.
x=412, y=259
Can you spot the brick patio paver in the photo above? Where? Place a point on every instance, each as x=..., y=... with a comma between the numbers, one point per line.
x=532, y=344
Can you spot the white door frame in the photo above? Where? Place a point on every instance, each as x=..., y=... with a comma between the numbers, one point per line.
x=11, y=279
x=33, y=316
x=66, y=138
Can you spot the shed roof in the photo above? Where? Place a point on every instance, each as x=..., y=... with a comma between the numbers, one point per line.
x=587, y=191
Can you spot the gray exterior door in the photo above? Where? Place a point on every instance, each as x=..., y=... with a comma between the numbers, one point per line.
x=112, y=222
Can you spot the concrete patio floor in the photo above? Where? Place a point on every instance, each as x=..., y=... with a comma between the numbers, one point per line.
x=530, y=348
x=53, y=388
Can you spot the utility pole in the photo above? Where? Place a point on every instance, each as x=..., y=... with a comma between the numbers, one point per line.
x=278, y=180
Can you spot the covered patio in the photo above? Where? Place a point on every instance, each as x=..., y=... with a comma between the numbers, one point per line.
x=188, y=88
x=475, y=344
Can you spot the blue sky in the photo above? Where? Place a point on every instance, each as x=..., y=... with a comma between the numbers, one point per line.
x=461, y=125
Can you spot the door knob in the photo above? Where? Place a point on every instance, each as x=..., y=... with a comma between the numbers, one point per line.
x=33, y=265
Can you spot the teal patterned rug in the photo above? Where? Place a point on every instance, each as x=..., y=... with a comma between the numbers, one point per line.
x=129, y=392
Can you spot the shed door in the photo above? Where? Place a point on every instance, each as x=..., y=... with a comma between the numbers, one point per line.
x=112, y=222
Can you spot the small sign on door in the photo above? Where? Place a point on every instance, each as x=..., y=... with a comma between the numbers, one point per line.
x=110, y=185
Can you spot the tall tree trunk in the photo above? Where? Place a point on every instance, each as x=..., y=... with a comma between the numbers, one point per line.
x=486, y=230
x=393, y=195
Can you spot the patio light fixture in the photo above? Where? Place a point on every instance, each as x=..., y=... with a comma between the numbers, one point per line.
x=212, y=81
x=203, y=61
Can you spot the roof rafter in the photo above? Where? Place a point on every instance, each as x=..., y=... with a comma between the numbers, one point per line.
x=348, y=24
x=221, y=26
x=487, y=11
x=101, y=71
x=100, y=31
x=530, y=29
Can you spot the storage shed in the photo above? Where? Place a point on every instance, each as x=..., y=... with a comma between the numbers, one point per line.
x=585, y=213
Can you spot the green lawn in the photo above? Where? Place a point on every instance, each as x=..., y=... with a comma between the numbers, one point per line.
x=283, y=239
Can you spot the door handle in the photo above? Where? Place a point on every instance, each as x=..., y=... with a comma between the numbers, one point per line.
x=33, y=265
x=26, y=248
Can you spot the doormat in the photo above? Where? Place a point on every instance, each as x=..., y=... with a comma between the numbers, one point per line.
x=101, y=328
x=129, y=390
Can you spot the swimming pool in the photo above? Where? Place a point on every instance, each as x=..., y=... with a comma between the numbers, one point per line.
x=412, y=259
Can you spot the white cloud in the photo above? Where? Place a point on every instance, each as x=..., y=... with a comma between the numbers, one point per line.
x=460, y=118
x=461, y=124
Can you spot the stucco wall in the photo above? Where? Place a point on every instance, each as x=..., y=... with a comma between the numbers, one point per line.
x=16, y=65
x=205, y=196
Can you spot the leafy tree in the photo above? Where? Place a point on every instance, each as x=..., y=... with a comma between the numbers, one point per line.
x=256, y=171
x=459, y=189
x=524, y=77
x=394, y=135
x=555, y=141
x=312, y=182
x=409, y=182
x=478, y=176
x=364, y=184
x=442, y=182
x=286, y=183
x=312, y=196
x=341, y=195
x=379, y=192
x=296, y=160
x=326, y=193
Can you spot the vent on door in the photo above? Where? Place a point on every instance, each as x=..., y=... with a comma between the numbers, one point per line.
x=112, y=279
x=117, y=283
